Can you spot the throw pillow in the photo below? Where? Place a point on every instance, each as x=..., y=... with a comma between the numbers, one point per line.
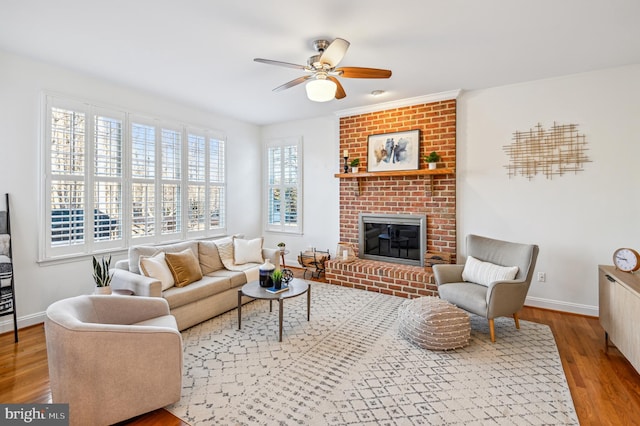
x=247, y=251
x=479, y=272
x=184, y=267
x=225, y=250
x=136, y=251
x=209, y=257
x=156, y=267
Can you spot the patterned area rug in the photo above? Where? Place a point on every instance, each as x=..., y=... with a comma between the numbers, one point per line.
x=349, y=366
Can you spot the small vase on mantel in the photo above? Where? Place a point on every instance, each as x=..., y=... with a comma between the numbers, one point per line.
x=432, y=159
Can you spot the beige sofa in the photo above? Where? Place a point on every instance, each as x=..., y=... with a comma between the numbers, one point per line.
x=223, y=274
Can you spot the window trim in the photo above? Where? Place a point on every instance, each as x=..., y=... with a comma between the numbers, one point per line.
x=48, y=252
x=283, y=228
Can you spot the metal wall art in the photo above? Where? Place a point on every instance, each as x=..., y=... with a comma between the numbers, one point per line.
x=555, y=151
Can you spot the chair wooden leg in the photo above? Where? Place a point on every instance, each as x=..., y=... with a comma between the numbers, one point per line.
x=492, y=330
x=515, y=318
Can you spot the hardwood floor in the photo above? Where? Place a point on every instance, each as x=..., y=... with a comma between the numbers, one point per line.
x=604, y=386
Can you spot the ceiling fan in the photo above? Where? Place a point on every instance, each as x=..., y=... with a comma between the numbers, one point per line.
x=322, y=84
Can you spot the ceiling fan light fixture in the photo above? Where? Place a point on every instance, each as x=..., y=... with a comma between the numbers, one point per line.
x=322, y=84
x=321, y=90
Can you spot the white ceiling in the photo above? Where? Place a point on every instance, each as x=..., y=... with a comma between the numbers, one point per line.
x=200, y=52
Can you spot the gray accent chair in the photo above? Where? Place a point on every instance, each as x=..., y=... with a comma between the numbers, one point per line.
x=112, y=357
x=500, y=298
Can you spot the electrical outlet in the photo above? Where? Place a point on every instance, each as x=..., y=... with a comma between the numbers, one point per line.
x=542, y=277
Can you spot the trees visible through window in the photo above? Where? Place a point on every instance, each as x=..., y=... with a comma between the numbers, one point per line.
x=284, y=185
x=111, y=178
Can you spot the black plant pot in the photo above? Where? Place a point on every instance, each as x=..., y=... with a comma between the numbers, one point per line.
x=277, y=284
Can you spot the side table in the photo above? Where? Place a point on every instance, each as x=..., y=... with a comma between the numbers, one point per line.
x=282, y=253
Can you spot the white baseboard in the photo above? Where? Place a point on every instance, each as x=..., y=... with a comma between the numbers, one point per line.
x=25, y=321
x=555, y=305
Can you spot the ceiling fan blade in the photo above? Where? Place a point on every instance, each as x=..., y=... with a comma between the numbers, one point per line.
x=335, y=52
x=340, y=93
x=280, y=63
x=358, y=72
x=292, y=83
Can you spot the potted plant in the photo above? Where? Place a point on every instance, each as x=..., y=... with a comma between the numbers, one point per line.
x=276, y=277
x=354, y=165
x=101, y=275
x=281, y=245
x=432, y=159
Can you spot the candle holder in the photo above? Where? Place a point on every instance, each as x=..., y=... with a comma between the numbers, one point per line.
x=346, y=164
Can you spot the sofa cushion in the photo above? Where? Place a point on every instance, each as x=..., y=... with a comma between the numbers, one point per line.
x=207, y=286
x=247, y=251
x=208, y=257
x=479, y=272
x=236, y=278
x=468, y=296
x=136, y=251
x=184, y=267
x=156, y=267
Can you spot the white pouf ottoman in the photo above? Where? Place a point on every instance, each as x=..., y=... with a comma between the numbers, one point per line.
x=434, y=323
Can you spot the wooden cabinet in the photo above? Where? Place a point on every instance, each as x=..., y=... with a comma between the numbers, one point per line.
x=619, y=300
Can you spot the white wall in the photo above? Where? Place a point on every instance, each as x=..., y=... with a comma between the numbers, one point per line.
x=578, y=220
x=21, y=84
x=320, y=142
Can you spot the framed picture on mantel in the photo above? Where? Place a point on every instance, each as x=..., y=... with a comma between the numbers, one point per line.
x=393, y=151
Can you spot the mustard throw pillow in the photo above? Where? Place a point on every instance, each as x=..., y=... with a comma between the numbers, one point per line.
x=184, y=267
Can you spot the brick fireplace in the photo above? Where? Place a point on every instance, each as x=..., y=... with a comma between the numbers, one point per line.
x=432, y=195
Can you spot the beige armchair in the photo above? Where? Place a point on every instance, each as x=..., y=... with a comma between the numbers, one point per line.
x=112, y=357
x=503, y=297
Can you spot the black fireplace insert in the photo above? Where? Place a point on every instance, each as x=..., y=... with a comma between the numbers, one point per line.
x=396, y=238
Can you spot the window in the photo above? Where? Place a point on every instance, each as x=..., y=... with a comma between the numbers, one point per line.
x=143, y=174
x=205, y=190
x=112, y=178
x=170, y=182
x=107, y=178
x=84, y=172
x=284, y=185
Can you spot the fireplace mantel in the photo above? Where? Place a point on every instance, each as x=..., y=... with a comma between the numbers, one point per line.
x=421, y=172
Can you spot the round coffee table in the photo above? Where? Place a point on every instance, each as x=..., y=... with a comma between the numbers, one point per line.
x=253, y=290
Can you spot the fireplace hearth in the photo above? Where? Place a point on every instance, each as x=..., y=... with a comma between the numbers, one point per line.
x=395, y=238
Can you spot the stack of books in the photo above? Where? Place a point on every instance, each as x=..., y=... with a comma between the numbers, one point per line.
x=277, y=290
